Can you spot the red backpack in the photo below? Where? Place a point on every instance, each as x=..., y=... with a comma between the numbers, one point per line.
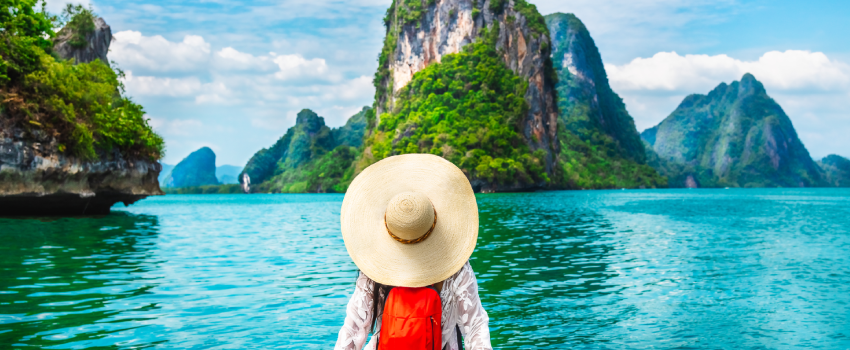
x=411, y=320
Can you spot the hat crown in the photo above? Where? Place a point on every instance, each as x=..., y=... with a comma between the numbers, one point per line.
x=410, y=215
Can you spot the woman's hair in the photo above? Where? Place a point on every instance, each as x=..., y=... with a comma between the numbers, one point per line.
x=379, y=298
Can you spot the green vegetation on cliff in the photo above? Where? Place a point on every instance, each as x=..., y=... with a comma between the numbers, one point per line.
x=837, y=170
x=600, y=146
x=80, y=21
x=736, y=136
x=310, y=157
x=80, y=104
x=466, y=109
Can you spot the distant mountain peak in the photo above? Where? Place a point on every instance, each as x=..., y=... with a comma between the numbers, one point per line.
x=750, y=85
x=836, y=169
x=736, y=136
x=197, y=169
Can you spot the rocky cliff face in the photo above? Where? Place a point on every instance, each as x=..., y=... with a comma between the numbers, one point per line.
x=836, y=169
x=600, y=146
x=97, y=47
x=420, y=33
x=197, y=169
x=586, y=101
x=736, y=136
x=37, y=179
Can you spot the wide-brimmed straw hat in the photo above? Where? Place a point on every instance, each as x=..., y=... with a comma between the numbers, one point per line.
x=410, y=220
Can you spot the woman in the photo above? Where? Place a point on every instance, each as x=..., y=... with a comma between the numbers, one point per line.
x=412, y=221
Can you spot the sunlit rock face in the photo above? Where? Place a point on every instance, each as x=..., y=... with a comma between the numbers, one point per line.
x=446, y=26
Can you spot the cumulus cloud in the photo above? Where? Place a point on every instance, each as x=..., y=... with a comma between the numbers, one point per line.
x=175, y=127
x=229, y=58
x=135, y=51
x=296, y=66
x=224, y=89
x=792, y=70
x=161, y=86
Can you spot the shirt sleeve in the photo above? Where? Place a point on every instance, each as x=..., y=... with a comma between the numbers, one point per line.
x=471, y=317
x=358, y=316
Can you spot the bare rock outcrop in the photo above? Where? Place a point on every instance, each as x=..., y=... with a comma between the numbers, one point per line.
x=37, y=179
x=447, y=26
x=97, y=45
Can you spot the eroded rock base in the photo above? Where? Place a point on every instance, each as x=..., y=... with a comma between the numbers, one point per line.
x=62, y=204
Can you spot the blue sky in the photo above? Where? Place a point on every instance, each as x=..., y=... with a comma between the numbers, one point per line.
x=232, y=75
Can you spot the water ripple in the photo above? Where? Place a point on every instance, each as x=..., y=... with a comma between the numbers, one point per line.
x=736, y=269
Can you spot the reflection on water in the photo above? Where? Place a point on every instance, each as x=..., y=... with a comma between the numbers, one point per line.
x=603, y=269
x=76, y=280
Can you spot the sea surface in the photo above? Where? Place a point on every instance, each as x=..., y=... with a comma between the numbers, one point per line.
x=649, y=269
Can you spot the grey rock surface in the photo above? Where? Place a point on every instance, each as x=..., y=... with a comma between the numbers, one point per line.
x=37, y=179
x=448, y=26
x=97, y=48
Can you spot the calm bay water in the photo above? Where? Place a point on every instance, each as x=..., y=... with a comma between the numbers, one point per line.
x=707, y=269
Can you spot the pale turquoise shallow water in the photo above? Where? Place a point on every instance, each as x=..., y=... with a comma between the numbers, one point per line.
x=670, y=269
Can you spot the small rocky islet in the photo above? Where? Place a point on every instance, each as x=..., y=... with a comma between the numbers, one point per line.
x=70, y=142
x=519, y=101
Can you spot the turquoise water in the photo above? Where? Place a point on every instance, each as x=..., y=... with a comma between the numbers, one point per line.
x=671, y=269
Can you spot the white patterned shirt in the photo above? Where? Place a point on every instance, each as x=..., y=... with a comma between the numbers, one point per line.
x=461, y=307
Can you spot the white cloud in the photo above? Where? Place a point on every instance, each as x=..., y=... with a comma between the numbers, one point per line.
x=229, y=58
x=215, y=93
x=789, y=70
x=161, y=86
x=296, y=66
x=356, y=89
x=134, y=51
x=175, y=127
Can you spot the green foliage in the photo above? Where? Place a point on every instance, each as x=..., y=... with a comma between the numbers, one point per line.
x=466, y=109
x=324, y=174
x=24, y=37
x=496, y=6
x=412, y=11
x=594, y=165
x=80, y=22
x=351, y=134
x=310, y=157
x=837, y=170
x=209, y=189
x=81, y=105
x=536, y=21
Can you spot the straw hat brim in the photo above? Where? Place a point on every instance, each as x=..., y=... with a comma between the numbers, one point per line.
x=433, y=260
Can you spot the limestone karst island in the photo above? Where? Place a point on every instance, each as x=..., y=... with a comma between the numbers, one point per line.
x=519, y=101
x=537, y=174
